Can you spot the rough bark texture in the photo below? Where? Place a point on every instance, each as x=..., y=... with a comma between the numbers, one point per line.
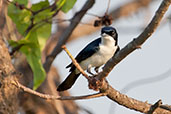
x=8, y=92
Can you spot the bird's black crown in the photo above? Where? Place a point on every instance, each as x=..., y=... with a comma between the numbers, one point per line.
x=109, y=30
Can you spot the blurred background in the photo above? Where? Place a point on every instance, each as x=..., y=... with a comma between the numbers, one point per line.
x=144, y=75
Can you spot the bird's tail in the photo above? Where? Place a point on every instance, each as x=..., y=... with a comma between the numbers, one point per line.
x=68, y=82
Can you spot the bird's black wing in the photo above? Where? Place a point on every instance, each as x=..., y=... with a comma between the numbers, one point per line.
x=87, y=52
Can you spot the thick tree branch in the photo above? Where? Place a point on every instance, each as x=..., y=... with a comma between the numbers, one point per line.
x=128, y=102
x=8, y=93
x=64, y=37
x=141, y=82
x=122, y=99
x=154, y=107
x=137, y=42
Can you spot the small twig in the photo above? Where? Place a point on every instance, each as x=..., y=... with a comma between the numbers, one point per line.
x=15, y=49
x=75, y=63
x=53, y=6
x=154, y=107
x=108, y=5
x=52, y=97
x=33, y=24
x=93, y=83
x=69, y=20
x=20, y=6
x=30, y=26
x=91, y=14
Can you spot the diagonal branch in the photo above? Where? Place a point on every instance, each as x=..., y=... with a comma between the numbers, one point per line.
x=141, y=82
x=113, y=94
x=137, y=42
x=64, y=37
x=75, y=63
x=123, y=99
x=128, y=102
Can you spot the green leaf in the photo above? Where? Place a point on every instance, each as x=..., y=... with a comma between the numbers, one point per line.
x=60, y=3
x=30, y=47
x=36, y=38
x=68, y=5
x=41, y=15
x=43, y=33
x=33, y=55
x=40, y=5
x=20, y=17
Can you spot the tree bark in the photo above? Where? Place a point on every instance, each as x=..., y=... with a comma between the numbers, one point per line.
x=8, y=92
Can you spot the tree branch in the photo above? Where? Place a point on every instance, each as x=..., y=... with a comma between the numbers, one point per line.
x=50, y=97
x=64, y=37
x=128, y=102
x=75, y=63
x=141, y=82
x=122, y=99
x=137, y=42
x=154, y=107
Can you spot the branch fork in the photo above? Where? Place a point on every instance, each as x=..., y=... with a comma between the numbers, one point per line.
x=95, y=83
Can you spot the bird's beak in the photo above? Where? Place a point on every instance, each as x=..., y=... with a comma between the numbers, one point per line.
x=103, y=34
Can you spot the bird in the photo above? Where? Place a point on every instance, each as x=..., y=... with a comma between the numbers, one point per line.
x=95, y=54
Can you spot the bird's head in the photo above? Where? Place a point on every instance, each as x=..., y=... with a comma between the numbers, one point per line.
x=109, y=31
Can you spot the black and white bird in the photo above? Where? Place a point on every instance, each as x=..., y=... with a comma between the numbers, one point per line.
x=95, y=54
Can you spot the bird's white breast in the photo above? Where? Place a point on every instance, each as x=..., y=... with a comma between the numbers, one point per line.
x=106, y=50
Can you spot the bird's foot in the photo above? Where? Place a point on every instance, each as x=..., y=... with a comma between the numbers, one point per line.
x=89, y=71
x=96, y=69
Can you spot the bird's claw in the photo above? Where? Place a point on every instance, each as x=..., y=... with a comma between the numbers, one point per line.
x=96, y=69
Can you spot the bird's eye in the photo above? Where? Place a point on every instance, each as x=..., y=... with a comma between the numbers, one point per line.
x=112, y=33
